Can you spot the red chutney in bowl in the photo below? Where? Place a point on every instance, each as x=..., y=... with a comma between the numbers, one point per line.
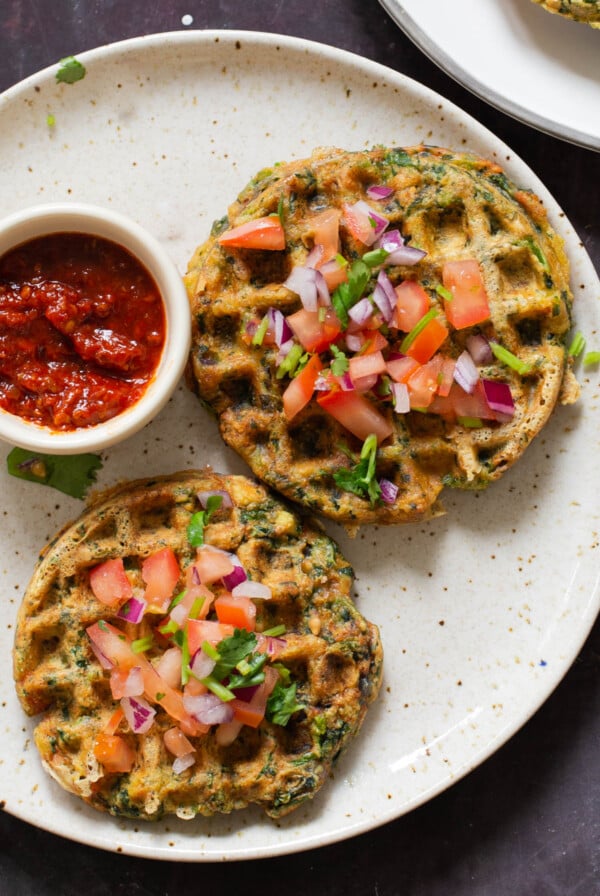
x=82, y=329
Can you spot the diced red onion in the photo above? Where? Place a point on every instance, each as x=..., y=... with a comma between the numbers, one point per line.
x=208, y=709
x=499, y=397
x=238, y=575
x=378, y=222
x=345, y=381
x=401, y=397
x=389, y=491
x=281, y=329
x=226, y=497
x=479, y=348
x=353, y=342
x=386, y=284
x=322, y=288
x=133, y=609
x=179, y=614
x=254, y=590
x=314, y=256
x=181, y=763
x=465, y=372
x=399, y=253
x=377, y=191
x=385, y=296
x=202, y=664
x=134, y=683
x=275, y=645
x=322, y=384
x=139, y=714
x=361, y=312
x=246, y=694
x=102, y=659
x=303, y=281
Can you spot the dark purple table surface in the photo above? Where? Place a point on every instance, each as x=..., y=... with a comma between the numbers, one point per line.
x=527, y=822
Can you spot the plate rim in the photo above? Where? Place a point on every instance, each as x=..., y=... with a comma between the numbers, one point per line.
x=364, y=64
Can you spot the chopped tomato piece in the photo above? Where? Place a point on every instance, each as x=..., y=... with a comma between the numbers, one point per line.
x=113, y=753
x=366, y=364
x=326, y=233
x=212, y=564
x=237, y=611
x=114, y=721
x=422, y=385
x=315, y=330
x=426, y=343
x=374, y=341
x=110, y=584
x=334, y=273
x=300, y=389
x=459, y=403
x=469, y=304
x=177, y=743
x=116, y=646
x=360, y=225
x=412, y=304
x=262, y=233
x=356, y=414
x=200, y=630
x=446, y=376
x=253, y=712
x=160, y=572
x=401, y=368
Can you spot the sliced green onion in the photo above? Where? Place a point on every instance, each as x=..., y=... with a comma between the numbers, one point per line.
x=185, y=657
x=244, y=667
x=274, y=632
x=418, y=328
x=211, y=651
x=169, y=628
x=591, y=358
x=503, y=354
x=218, y=689
x=142, y=644
x=261, y=331
x=322, y=313
x=444, y=293
x=196, y=607
x=577, y=345
x=375, y=257
x=470, y=422
x=341, y=261
x=176, y=600
x=290, y=362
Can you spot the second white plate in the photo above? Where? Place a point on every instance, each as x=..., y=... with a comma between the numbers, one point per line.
x=540, y=68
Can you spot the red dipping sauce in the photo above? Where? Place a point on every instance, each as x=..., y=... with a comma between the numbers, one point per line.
x=82, y=328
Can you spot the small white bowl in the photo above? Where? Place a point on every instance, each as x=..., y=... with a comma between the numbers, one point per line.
x=75, y=217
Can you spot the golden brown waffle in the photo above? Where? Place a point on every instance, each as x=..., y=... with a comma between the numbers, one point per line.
x=331, y=651
x=453, y=206
x=587, y=11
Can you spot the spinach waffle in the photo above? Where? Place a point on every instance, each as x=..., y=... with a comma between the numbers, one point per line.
x=449, y=208
x=327, y=649
x=587, y=11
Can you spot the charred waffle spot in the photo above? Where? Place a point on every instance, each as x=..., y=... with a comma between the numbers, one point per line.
x=530, y=331
x=449, y=228
x=225, y=327
x=310, y=439
x=265, y=267
x=239, y=390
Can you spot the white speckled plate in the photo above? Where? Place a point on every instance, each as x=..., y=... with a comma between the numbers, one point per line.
x=482, y=611
x=541, y=68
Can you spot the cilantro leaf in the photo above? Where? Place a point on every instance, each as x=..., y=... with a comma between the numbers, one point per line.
x=360, y=479
x=250, y=672
x=339, y=365
x=347, y=294
x=233, y=650
x=70, y=70
x=282, y=704
x=195, y=529
x=72, y=474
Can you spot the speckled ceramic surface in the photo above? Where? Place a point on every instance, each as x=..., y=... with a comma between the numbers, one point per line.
x=481, y=611
x=553, y=79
